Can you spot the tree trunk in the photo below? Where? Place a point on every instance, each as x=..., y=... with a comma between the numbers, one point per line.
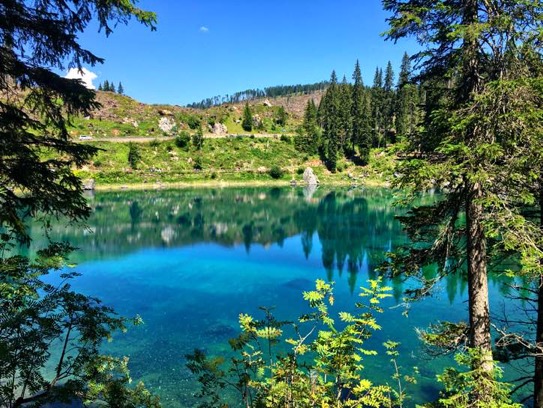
x=479, y=314
x=538, y=366
x=538, y=375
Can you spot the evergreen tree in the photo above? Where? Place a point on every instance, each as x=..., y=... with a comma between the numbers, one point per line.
x=407, y=101
x=36, y=316
x=106, y=86
x=360, y=116
x=100, y=88
x=134, y=155
x=198, y=138
x=330, y=117
x=377, y=109
x=483, y=111
x=345, y=119
x=389, y=99
x=308, y=140
x=247, y=122
x=281, y=116
x=120, y=89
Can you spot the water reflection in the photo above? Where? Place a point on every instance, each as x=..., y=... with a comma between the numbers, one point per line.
x=354, y=227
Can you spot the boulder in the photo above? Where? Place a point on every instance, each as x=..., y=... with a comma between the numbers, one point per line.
x=166, y=124
x=267, y=103
x=310, y=178
x=219, y=129
x=165, y=112
x=89, y=184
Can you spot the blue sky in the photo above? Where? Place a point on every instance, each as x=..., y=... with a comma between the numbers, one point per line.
x=215, y=47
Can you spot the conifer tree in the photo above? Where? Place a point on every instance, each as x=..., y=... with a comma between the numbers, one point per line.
x=330, y=117
x=120, y=89
x=247, y=121
x=482, y=111
x=407, y=101
x=308, y=140
x=346, y=132
x=389, y=104
x=360, y=116
x=377, y=109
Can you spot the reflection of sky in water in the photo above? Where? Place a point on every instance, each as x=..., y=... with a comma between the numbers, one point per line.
x=190, y=295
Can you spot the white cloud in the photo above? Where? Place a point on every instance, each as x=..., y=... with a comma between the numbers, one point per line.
x=204, y=29
x=84, y=74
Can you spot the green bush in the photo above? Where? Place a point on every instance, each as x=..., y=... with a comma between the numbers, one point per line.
x=285, y=138
x=276, y=172
x=197, y=163
x=182, y=140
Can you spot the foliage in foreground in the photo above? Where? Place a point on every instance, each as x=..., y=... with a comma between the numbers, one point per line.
x=50, y=338
x=316, y=361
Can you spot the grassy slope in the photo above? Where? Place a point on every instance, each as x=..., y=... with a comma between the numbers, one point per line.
x=223, y=160
x=239, y=159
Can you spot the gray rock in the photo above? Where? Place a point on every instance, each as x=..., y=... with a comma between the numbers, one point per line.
x=219, y=129
x=166, y=124
x=89, y=184
x=310, y=178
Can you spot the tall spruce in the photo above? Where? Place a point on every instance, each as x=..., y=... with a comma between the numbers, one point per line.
x=406, y=109
x=37, y=158
x=346, y=125
x=377, y=109
x=330, y=117
x=361, y=127
x=308, y=140
x=483, y=113
x=388, y=103
x=247, y=121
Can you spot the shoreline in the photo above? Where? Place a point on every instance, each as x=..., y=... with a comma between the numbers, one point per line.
x=227, y=184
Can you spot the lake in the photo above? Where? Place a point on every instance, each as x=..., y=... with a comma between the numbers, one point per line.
x=190, y=261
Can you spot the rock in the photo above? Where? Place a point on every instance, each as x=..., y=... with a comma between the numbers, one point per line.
x=310, y=178
x=166, y=124
x=165, y=112
x=257, y=120
x=262, y=169
x=219, y=129
x=267, y=103
x=89, y=184
x=293, y=183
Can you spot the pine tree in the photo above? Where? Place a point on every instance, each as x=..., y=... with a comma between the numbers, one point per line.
x=377, y=109
x=120, y=89
x=360, y=116
x=389, y=99
x=247, y=122
x=106, y=85
x=39, y=39
x=100, y=88
x=308, y=140
x=482, y=108
x=346, y=126
x=330, y=114
x=407, y=101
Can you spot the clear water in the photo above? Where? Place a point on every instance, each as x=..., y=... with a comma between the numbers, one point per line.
x=190, y=261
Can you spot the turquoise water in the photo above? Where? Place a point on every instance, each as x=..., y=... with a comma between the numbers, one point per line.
x=190, y=261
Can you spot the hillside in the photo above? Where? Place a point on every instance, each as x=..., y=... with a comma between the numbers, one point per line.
x=121, y=116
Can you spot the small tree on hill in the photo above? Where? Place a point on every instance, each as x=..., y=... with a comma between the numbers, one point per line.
x=247, y=122
x=120, y=89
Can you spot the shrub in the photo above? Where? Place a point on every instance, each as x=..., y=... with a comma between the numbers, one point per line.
x=154, y=143
x=300, y=170
x=285, y=138
x=197, y=163
x=182, y=140
x=276, y=172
